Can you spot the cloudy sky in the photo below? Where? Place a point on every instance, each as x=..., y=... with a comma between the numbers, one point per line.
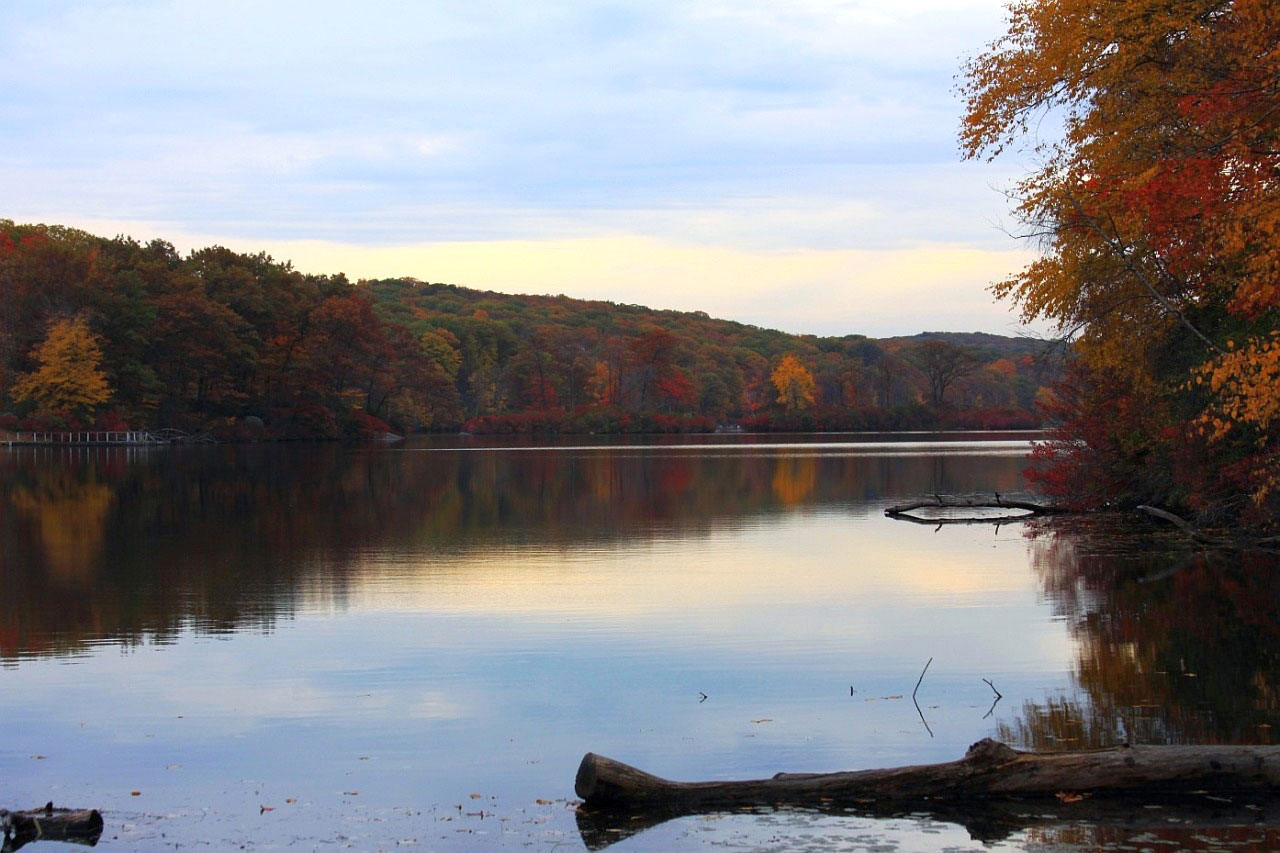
x=787, y=163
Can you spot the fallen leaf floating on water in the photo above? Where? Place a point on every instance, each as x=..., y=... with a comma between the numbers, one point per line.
x=544, y=802
x=135, y=793
x=1069, y=797
x=476, y=796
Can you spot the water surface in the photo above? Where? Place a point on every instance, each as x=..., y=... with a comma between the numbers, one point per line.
x=296, y=646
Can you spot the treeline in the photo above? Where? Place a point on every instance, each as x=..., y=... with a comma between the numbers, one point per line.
x=112, y=332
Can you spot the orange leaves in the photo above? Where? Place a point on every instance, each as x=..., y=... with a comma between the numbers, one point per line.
x=794, y=383
x=1157, y=207
x=1166, y=166
x=1245, y=381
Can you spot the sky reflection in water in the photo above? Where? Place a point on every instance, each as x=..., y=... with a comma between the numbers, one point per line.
x=379, y=634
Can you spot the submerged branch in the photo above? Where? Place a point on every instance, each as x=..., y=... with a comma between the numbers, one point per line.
x=1239, y=543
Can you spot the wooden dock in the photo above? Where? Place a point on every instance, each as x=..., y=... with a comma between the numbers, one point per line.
x=80, y=438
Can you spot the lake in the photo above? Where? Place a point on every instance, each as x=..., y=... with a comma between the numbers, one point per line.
x=415, y=644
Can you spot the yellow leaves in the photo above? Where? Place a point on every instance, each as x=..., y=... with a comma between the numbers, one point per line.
x=68, y=379
x=1245, y=383
x=794, y=383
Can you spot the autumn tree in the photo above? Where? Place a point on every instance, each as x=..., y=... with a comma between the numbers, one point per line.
x=650, y=358
x=944, y=363
x=442, y=346
x=794, y=383
x=1158, y=211
x=69, y=379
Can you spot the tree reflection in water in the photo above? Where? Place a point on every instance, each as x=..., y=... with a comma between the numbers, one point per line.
x=128, y=546
x=1172, y=645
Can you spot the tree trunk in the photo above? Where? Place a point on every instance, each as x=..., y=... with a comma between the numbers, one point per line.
x=78, y=826
x=989, y=769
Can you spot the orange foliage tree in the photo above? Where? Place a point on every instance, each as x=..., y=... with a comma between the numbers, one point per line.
x=69, y=380
x=1158, y=210
x=794, y=383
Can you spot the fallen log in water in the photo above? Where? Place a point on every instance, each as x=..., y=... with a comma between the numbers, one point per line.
x=988, y=770
x=79, y=826
x=1027, y=509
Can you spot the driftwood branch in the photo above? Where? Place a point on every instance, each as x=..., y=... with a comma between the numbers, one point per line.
x=1240, y=543
x=78, y=826
x=988, y=770
x=1028, y=509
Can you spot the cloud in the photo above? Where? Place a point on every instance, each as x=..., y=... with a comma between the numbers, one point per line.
x=684, y=136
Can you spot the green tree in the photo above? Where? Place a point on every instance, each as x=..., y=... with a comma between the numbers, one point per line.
x=441, y=346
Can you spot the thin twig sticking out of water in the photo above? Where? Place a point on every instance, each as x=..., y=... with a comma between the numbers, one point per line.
x=917, y=704
x=997, y=700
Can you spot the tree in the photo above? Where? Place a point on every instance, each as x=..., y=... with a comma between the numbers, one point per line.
x=1158, y=211
x=650, y=357
x=944, y=363
x=69, y=379
x=441, y=346
x=794, y=383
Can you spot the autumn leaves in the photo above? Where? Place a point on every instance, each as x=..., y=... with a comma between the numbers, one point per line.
x=1157, y=206
x=69, y=379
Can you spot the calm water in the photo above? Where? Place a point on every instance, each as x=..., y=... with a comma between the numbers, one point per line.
x=414, y=645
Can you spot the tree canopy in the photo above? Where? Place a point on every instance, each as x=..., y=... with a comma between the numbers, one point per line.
x=1157, y=205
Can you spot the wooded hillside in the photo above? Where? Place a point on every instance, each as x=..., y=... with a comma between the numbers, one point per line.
x=113, y=331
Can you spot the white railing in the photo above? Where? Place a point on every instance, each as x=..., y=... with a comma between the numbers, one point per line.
x=80, y=437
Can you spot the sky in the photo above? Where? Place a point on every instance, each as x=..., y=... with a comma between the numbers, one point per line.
x=793, y=164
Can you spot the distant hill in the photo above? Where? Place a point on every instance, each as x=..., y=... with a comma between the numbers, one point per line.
x=110, y=331
x=984, y=343
x=727, y=366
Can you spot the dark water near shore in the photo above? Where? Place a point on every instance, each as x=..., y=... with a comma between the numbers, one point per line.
x=414, y=645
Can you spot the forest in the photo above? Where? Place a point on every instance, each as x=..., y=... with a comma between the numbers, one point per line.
x=113, y=333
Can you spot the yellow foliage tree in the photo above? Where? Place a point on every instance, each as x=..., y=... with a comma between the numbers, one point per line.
x=794, y=383
x=69, y=379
